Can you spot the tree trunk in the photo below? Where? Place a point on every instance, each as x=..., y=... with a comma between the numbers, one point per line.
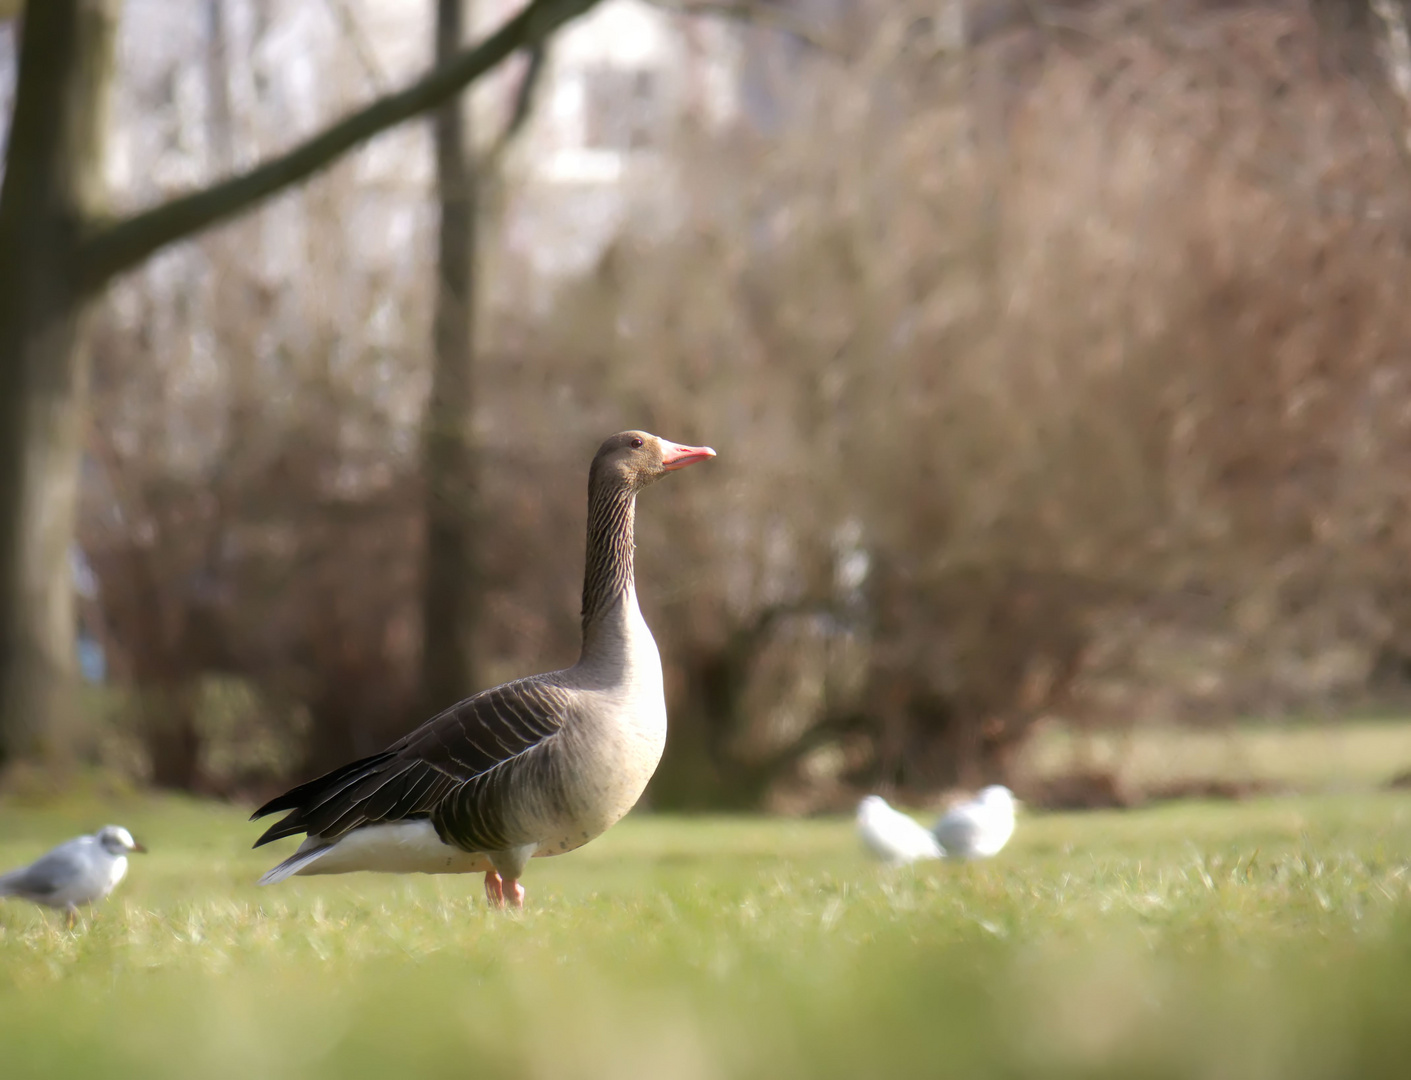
x=53, y=183
x=451, y=598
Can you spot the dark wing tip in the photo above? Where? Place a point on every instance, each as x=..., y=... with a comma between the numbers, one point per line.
x=297, y=798
x=289, y=826
x=294, y=799
x=267, y=809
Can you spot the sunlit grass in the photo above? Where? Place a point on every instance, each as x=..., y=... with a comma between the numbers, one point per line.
x=1267, y=939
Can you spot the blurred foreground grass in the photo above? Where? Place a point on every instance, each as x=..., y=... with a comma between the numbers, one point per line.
x=1264, y=939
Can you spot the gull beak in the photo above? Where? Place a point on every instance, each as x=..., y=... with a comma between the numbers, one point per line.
x=675, y=456
x=138, y=848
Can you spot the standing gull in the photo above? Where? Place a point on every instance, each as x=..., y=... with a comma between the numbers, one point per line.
x=979, y=828
x=77, y=872
x=538, y=766
x=892, y=836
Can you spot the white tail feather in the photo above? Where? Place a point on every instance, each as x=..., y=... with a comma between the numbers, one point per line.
x=296, y=862
x=396, y=847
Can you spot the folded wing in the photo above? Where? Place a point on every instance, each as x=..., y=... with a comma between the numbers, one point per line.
x=48, y=875
x=464, y=769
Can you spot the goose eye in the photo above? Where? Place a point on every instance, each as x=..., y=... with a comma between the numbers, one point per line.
x=636, y=444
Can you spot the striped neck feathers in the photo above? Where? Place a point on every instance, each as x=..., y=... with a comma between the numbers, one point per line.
x=608, y=571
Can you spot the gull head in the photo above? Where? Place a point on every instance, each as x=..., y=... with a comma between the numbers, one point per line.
x=998, y=797
x=871, y=806
x=116, y=840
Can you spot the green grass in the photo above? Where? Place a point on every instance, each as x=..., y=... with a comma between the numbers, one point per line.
x=1269, y=939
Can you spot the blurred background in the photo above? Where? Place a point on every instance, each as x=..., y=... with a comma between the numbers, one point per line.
x=1055, y=352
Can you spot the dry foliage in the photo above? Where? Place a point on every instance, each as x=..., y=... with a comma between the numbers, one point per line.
x=1062, y=374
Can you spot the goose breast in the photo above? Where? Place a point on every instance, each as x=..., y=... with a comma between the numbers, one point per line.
x=604, y=756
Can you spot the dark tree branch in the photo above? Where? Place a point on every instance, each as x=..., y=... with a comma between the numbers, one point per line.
x=109, y=249
x=523, y=103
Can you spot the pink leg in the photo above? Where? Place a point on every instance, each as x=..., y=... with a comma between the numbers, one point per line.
x=495, y=888
x=514, y=893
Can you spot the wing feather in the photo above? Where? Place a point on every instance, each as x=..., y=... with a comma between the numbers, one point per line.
x=455, y=769
x=49, y=873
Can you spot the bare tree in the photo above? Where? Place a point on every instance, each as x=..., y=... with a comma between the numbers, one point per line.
x=57, y=249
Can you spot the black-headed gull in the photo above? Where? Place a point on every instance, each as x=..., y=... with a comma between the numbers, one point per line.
x=892, y=836
x=979, y=828
x=75, y=873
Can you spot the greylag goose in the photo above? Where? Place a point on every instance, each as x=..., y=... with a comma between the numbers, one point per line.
x=537, y=766
x=77, y=872
x=892, y=836
x=978, y=829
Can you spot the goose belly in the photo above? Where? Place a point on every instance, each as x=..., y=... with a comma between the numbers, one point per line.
x=605, y=772
x=609, y=753
x=399, y=847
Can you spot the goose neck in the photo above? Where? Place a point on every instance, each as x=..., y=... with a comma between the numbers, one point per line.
x=608, y=568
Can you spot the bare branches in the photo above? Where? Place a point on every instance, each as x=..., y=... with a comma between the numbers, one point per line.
x=353, y=33
x=523, y=104
x=766, y=16
x=110, y=249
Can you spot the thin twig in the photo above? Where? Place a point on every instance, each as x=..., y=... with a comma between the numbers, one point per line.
x=342, y=10
x=523, y=104
x=1396, y=47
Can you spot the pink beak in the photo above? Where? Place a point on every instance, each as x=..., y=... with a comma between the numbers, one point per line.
x=675, y=456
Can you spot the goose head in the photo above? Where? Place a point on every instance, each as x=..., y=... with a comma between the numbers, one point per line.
x=634, y=459
x=116, y=840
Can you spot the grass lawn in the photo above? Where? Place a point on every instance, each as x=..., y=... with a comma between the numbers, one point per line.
x=1269, y=939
